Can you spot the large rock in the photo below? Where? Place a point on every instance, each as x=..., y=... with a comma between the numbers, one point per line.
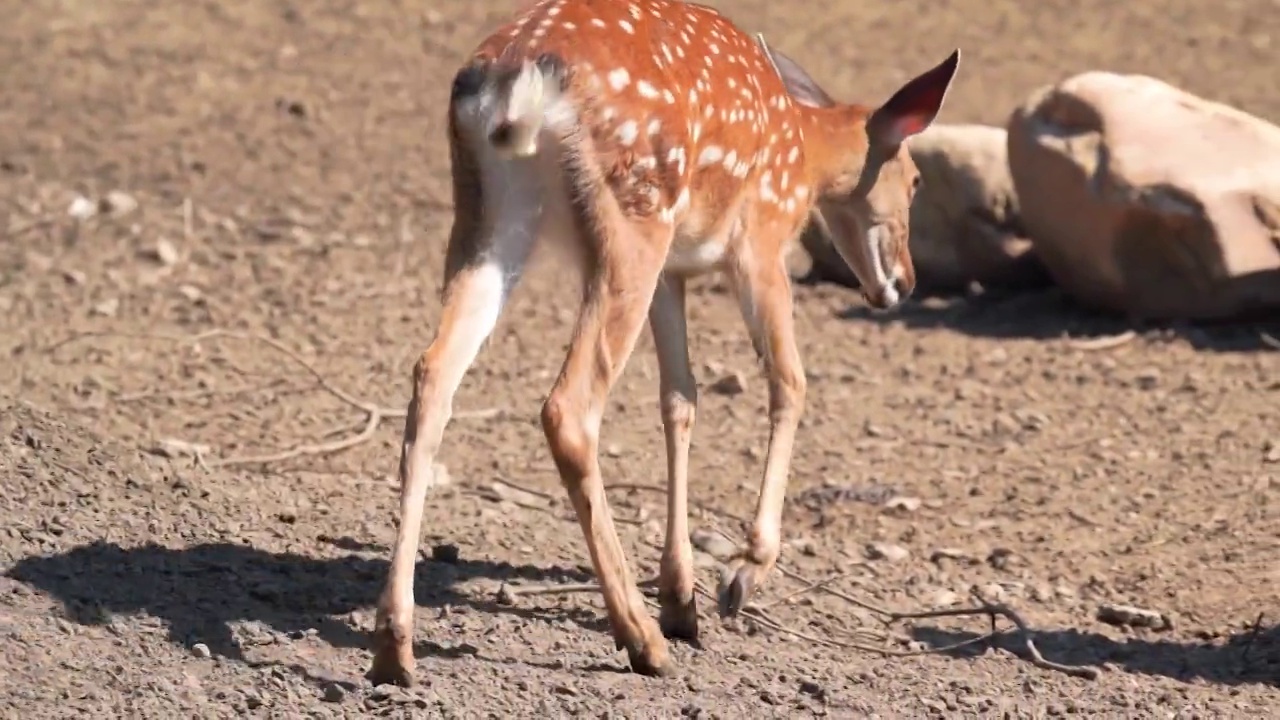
x=964, y=221
x=1143, y=199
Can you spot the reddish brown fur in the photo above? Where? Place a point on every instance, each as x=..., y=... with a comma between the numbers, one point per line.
x=703, y=71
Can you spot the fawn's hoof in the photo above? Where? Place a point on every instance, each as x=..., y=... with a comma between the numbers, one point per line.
x=392, y=657
x=678, y=619
x=738, y=583
x=651, y=659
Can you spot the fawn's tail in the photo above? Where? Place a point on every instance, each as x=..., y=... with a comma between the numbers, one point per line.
x=522, y=101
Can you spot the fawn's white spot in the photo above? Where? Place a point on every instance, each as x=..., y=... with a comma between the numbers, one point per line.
x=619, y=79
x=710, y=155
x=627, y=132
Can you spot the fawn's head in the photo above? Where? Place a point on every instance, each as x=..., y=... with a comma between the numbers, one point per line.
x=865, y=176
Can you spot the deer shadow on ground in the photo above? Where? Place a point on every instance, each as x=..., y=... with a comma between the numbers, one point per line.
x=1050, y=314
x=1252, y=657
x=201, y=591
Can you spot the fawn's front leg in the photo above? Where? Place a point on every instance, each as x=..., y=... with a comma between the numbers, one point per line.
x=764, y=292
x=678, y=389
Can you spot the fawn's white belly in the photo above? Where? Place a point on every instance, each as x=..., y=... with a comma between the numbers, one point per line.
x=695, y=257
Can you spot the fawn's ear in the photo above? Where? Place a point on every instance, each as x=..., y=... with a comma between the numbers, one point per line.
x=914, y=106
x=802, y=88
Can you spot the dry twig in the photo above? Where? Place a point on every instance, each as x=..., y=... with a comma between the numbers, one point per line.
x=517, y=486
x=709, y=509
x=1269, y=340
x=984, y=608
x=374, y=414
x=1253, y=637
x=553, y=500
x=507, y=594
x=1104, y=343
x=993, y=611
x=201, y=393
x=759, y=613
x=1000, y=610
x=805, y=590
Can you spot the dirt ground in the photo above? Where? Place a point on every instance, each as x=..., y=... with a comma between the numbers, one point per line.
x=288, y=165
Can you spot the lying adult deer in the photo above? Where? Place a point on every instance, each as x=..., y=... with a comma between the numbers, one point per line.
x=657, y=141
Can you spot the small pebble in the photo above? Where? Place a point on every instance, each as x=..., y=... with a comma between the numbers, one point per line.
x=903, y=504
x=82, y=208
x=731, y=384
x=887, y=551
x=945, y=598
x=117, y=203
x=713, y=543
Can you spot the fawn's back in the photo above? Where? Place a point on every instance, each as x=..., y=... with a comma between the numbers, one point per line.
x=678, y=113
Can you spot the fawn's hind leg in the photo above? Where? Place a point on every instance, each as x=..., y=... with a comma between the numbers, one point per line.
x=496, y=221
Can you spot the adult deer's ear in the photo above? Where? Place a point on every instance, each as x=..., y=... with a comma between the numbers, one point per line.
x=914, y=106
x=802, y=88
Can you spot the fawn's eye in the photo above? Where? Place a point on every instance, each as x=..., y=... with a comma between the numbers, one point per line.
x=915, y=183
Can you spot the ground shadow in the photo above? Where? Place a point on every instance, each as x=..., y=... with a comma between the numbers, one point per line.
x=202, y=590
x=1249, y=658
x=1050, y=314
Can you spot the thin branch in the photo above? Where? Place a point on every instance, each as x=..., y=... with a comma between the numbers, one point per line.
x=374, y=413
x=993, y=611
x=985, y=608
x=760, y=616
x=507, y=594
x=370, y=427
x=199, y=393
x=517, y=486
x=808, y=588
x=1253, y=637
x=641, y=487
x=1104, y=343
x=833, y=592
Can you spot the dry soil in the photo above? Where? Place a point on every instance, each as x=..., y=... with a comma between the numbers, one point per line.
x=288, y=163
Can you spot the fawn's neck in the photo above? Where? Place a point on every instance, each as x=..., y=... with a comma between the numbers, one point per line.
x=835, y=141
